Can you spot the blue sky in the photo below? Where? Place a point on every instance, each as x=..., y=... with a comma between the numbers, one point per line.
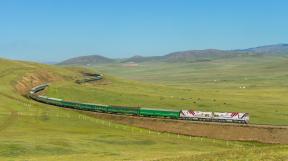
x=53, y=30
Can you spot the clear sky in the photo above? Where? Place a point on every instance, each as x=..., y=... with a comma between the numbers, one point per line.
x=53, y=30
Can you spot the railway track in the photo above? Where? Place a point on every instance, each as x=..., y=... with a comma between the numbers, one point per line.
x=234, y=117
x=226, y=131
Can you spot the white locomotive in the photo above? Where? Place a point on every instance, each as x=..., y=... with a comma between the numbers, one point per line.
x=215, y=116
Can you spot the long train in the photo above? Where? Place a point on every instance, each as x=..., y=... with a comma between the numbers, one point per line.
x=234, y=117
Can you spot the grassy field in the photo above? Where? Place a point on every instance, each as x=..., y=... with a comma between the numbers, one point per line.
x=33, y=131
x=254, y=84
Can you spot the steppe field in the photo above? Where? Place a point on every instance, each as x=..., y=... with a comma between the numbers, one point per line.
x=34, y=131
x=254, y=84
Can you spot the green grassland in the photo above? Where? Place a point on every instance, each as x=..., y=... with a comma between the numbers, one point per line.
x=34, y=131
x=254, y=84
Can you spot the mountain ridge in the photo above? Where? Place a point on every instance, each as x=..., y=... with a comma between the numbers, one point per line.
x=205, y=54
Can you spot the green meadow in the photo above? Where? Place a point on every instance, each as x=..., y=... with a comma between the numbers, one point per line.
x=254, y=84
x=33, y=131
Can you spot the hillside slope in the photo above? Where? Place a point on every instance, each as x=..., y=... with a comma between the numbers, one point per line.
x=33, y=131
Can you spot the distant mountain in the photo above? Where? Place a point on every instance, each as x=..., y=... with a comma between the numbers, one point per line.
x=182, y=56
x=87, y=60
x=268, y=49
x=139, y=59
x=209, y=54
x=196, y=55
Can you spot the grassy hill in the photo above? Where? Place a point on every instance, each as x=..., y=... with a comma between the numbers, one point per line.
x=33, y=131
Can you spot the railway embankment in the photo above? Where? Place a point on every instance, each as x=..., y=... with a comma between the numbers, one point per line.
x=224, y=131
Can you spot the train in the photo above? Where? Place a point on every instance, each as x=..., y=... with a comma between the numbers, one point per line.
x=89, y=78
x=191, y=115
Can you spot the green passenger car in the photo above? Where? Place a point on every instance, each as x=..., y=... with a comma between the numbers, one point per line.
x=53, y=102
x=149, y=112
x=94, y=107
x=39, y=98
x=123, y=110
x=69, y=104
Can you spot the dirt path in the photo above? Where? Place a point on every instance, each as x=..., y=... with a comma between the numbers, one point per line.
x=259, y=133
